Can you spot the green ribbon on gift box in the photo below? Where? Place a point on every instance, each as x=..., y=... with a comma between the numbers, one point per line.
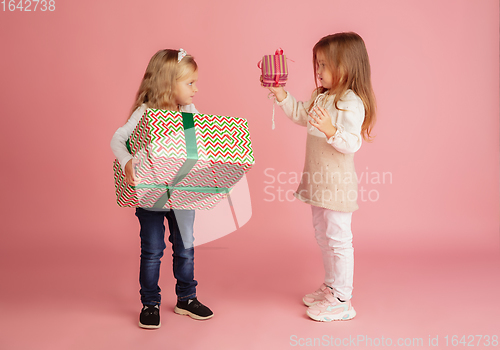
x=183, y=188
x=191, y=159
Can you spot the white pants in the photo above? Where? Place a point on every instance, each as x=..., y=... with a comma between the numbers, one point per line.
x=334, y=237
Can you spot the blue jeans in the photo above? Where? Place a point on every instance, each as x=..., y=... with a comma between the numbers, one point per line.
x=180, y=225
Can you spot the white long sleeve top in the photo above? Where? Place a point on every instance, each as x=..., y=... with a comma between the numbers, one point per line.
x=348, y=119
x=329, y=177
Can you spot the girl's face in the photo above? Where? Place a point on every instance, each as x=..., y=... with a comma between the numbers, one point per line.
x=324, y=74
x=186, y=89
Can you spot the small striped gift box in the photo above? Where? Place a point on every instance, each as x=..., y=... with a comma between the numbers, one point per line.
x=274, y=69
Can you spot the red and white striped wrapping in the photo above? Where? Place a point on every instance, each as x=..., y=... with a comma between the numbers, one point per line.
x=274, y=69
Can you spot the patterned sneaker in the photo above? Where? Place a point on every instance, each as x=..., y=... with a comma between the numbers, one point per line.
x=150, y=317
x=317, y=296
x=331, y=309
x=194, y=309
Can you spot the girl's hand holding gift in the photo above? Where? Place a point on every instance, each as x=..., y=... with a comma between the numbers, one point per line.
x=130, y=176
x=278, y=92
x=322, y=121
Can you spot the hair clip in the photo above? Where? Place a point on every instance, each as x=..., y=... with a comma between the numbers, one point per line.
x=181, y=55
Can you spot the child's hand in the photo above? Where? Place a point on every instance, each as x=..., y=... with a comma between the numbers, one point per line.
x=130, y=175
x=322, y=121
x=279, y=92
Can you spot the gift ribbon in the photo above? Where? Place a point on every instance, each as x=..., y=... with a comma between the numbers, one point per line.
x=191, y=158
x=200, y=189
x=272, y=97
x=277, y=55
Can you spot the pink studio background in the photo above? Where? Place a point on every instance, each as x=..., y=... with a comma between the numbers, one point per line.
x=427, y=235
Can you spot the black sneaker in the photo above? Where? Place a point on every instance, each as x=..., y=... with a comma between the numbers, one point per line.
x=150, y=317
x=194, y=309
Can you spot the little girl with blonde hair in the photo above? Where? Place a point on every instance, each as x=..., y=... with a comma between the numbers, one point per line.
x=168, y=83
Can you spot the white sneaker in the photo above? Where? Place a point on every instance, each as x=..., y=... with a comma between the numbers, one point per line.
x=317, y=296
x=331, y=309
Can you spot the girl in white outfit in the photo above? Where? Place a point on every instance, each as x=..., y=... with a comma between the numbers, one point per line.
x=340, y=113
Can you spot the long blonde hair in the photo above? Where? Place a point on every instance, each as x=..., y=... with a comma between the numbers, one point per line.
x=347, y=59
x=157, y=89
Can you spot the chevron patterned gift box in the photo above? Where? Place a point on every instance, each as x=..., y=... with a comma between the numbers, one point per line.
x=184, y=160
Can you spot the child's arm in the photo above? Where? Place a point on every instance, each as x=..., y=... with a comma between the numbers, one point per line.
x=295, y=110
x=345, y=134
x=279, y=92
x=120, y=149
